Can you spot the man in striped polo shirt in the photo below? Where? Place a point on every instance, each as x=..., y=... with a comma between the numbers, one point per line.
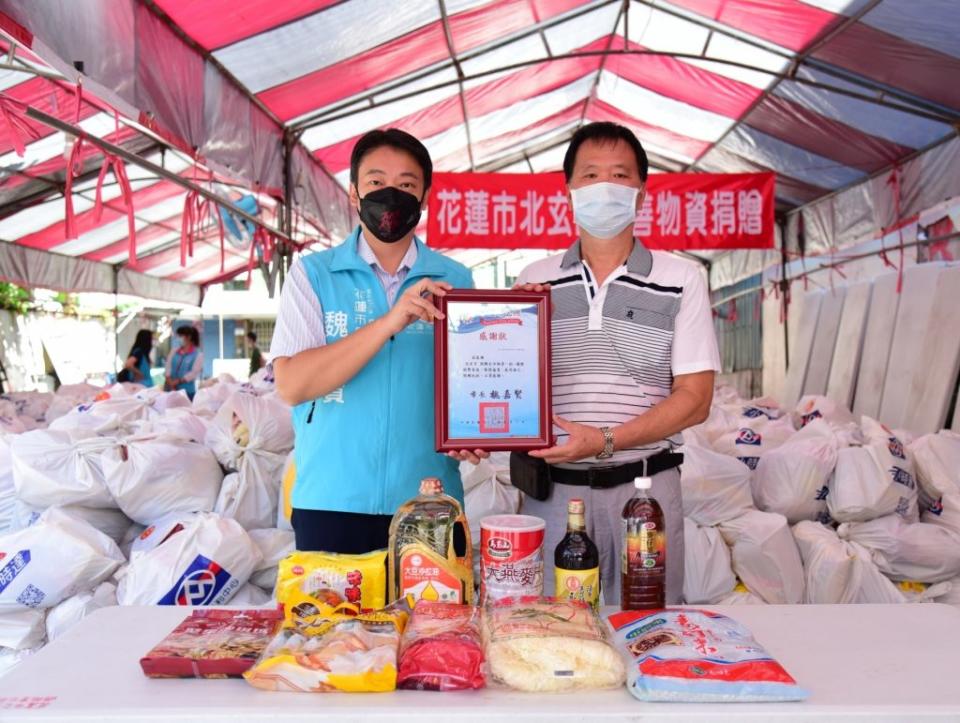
x=634, y=358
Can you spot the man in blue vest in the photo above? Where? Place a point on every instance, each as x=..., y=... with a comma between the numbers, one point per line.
x=353, y=354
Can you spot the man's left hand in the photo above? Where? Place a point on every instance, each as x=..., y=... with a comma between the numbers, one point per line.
x=584, y=442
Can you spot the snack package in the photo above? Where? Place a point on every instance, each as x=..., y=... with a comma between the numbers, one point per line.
x=333, y=579
x=696, y=656
x=549, y=645
x=441, y=648
x=324, y=649
x=212, y=644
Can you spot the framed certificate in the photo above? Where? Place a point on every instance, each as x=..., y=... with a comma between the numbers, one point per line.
x=492, y=353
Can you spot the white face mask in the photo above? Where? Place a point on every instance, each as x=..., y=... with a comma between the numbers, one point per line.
x=604, y=209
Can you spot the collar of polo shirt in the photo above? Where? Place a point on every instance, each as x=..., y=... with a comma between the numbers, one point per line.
x=640, y=260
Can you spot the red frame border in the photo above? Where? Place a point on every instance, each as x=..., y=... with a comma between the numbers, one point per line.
x=441, y=381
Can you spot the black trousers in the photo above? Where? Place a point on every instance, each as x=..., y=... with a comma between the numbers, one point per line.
x=351, y=533
x=348, y=533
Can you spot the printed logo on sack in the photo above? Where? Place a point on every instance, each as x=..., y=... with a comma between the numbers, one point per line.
x=9, y=572
x=748, y=436
x=751, y=462
x=756, y=413
x=896, y=448
x=902, y=477
x=903, y=507
x=822, y=493
x=807, y=418
x=204, y=582
x=937, y=507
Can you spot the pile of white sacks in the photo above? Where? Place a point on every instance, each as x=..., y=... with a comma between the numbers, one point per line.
x=811, y=506
x=134, y=496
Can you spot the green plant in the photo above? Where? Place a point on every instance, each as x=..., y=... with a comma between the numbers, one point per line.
x=13, y=298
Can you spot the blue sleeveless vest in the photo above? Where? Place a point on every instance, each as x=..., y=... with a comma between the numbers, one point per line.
x=365, y=447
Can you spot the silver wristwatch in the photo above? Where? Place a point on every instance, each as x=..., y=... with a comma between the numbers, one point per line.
x=607, y=452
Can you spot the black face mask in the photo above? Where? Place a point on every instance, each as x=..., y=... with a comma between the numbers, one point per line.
x=389, y=213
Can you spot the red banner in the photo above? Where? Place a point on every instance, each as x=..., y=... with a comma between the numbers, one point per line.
x=532, y=210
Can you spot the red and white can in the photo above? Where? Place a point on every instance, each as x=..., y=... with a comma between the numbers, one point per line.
x=511, y=556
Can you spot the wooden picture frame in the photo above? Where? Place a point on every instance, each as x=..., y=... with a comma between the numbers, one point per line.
x=507, y=420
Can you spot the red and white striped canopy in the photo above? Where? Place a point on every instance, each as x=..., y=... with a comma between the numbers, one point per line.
x=273, y=95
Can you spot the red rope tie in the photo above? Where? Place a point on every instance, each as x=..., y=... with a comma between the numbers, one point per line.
x=13, y=114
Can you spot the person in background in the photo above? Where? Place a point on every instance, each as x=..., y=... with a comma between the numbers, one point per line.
x=185, y=364
x=634, y=358
x=256, y=357
x=353, y=354
x=137, y=367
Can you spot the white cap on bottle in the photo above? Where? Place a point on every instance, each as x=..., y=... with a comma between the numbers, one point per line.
x=643, y=483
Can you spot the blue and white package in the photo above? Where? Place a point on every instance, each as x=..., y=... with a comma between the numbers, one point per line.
x=697, y=656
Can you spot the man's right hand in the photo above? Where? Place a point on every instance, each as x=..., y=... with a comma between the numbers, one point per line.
x=415, y=304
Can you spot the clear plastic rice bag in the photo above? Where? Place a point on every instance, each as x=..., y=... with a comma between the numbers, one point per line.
x=696, y=656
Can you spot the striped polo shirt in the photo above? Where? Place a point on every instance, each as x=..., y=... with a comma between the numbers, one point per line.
x=617, y=346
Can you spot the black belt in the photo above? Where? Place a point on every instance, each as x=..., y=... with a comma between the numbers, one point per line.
x=535, y=477
x=605, y=477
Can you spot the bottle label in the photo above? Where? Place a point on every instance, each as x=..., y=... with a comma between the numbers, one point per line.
x=425, y=576
x=581, y=585
x=644, y=547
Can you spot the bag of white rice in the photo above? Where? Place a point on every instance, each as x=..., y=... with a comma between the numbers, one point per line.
x=686, y=656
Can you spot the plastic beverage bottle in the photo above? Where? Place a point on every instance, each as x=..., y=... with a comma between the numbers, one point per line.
x=644, y=557
x=422, y=559
x=577, y=560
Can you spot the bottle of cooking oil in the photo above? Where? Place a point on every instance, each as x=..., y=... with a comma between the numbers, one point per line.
x=644, y=554
x=423, y=559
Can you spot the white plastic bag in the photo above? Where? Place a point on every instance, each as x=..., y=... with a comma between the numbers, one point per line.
x=252, y=495
x=10, y=659
x=792, y=479
x=742, y=597
x=72, y=610
x=23, y=628
x=155, y=475
x=765, y=556
x=209, y=399
x=945, y=512
x=111, y=522
x=274, y=545
x=937, y=459
x=250, y=425
x=487, y=490
x=715, y=487
x=904, y=551
x=252, y=596
x=8, y=493
x=69, y=396
x=875, y=587
x=707, y=575
x=832, y=572
x=864, y=487
x=52, y=560
x=179, y=422
x=720, y=422
x=157, y=533
x=753, y=438
x=205, y=563
x=813, y=407
x=60, y=468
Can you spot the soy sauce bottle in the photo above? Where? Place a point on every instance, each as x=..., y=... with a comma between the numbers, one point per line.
x=577, y=560
x=644, y=551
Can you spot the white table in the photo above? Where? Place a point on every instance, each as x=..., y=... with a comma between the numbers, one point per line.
x=860, y=662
